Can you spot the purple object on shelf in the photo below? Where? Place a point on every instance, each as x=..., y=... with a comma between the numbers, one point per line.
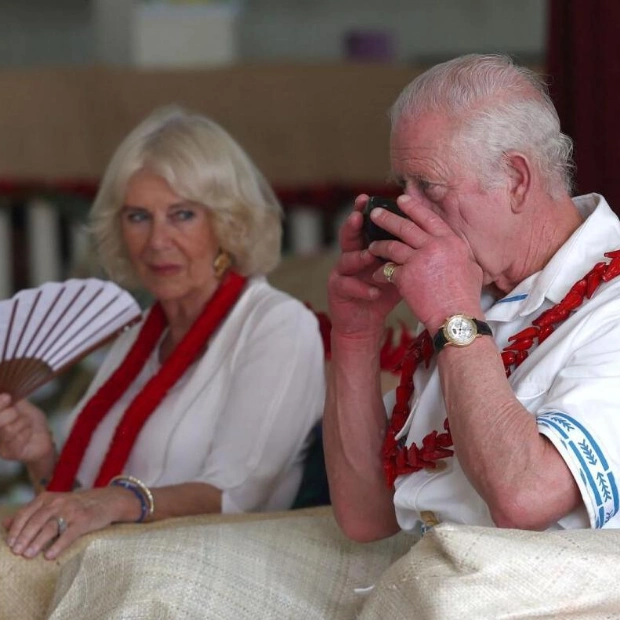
x=369, y=45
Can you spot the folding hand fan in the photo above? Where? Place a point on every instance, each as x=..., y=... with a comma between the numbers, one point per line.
x=44, y=330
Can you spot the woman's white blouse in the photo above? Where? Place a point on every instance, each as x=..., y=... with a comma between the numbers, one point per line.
x=240, y=416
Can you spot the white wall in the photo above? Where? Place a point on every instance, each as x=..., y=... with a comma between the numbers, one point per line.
x=57, y=32
x=45, y=32
x=422, y=29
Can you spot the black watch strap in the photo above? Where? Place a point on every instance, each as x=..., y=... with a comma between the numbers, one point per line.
x=440, y=340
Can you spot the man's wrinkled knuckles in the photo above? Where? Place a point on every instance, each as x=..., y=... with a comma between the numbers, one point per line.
x=354, y=243
x=334, y=281
x=349, y=232
x=352, y=288
x=395, y=251
x=342, y=289
x=333, y=278
x=435, y=221
x=352, y=263
x=425, y=219
x=8, y=415
x=360, y=201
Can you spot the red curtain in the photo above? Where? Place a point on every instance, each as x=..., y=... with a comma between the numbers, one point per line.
x=583, y=64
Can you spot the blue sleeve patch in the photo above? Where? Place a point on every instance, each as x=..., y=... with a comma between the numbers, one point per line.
x=594, y=468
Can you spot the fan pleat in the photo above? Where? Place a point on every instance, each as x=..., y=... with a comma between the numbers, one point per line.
x=45, y=330
x=9, y=330
x=22, y=332
x=83, y=342
x=66, y=333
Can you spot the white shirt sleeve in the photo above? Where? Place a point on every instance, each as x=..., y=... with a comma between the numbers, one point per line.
x=275, y=397
x=581, y=417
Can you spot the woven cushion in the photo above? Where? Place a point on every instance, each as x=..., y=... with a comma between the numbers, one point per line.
x=27, y=586
x=474, y=573
x=299, y=565
x=295, y=567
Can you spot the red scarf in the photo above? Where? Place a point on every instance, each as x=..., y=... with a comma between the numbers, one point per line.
x=148, y=399
x=398, y=459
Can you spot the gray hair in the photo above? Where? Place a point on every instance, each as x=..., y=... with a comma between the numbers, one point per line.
x=499, y=107
x=202, y=163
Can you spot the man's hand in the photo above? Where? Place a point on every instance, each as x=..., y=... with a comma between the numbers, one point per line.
x=435, y=273
x=358, y=301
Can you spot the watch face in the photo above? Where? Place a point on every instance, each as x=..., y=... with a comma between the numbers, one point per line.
x=460, y=330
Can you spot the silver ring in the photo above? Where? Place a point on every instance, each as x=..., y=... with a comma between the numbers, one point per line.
x=388, y=271
x=62, y=525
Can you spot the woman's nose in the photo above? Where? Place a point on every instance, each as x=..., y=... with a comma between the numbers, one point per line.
x=159, y=234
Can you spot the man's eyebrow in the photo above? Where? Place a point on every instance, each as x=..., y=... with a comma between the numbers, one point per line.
x=398, y=179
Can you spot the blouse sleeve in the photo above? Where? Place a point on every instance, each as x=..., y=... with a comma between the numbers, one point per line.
x=276, y=396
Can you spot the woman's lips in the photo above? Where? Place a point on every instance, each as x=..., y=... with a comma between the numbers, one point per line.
x=165, y=270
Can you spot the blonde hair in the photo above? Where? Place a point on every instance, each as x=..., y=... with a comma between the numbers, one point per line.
x=202, y=163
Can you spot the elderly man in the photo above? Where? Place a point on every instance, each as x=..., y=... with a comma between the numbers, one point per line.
x=507, y=405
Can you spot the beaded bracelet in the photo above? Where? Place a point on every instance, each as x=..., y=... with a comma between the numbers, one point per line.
x=141, y=491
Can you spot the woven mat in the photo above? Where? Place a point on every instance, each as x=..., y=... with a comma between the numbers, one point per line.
x=298, y=565
x=476, y=573
x=280, y=565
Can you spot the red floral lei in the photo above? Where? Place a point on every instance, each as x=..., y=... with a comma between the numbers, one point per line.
x=399, y=459
x=147, y=400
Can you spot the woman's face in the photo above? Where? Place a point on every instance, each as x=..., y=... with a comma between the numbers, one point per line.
x=169, y=240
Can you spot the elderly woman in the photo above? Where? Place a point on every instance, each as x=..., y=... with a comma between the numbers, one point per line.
x=206, y=405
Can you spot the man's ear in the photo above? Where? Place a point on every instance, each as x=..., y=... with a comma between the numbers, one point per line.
x=520, y=178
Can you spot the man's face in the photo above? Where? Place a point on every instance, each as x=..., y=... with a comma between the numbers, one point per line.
x=429, y=170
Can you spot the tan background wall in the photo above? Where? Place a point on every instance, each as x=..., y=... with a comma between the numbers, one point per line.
x=303, y=124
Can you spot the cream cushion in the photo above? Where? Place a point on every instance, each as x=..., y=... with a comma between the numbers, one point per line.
x=474, y=573
x=294, y=564
x=299, y=565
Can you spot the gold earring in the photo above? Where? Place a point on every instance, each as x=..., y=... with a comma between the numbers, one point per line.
x=221, y=264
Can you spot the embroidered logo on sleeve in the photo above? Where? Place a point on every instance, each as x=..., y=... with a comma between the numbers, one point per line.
x=594, y=468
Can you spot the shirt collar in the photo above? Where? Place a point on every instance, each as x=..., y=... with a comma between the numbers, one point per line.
x=599, y=233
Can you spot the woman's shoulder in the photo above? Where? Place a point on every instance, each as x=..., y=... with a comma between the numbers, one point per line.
x=260, y=292
x=264, y=307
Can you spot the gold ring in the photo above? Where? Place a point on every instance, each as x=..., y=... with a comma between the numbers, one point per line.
x=388, y=271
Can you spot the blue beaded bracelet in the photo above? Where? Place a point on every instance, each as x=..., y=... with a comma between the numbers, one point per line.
x=126, y=484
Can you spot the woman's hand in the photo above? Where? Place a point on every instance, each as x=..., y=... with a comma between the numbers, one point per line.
x=53, y=521
x=358, y=303
x=24, y=434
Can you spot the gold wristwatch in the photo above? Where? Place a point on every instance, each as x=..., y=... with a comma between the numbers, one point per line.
x=460, y=330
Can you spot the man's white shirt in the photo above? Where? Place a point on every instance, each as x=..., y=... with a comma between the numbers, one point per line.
x=571, y=383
